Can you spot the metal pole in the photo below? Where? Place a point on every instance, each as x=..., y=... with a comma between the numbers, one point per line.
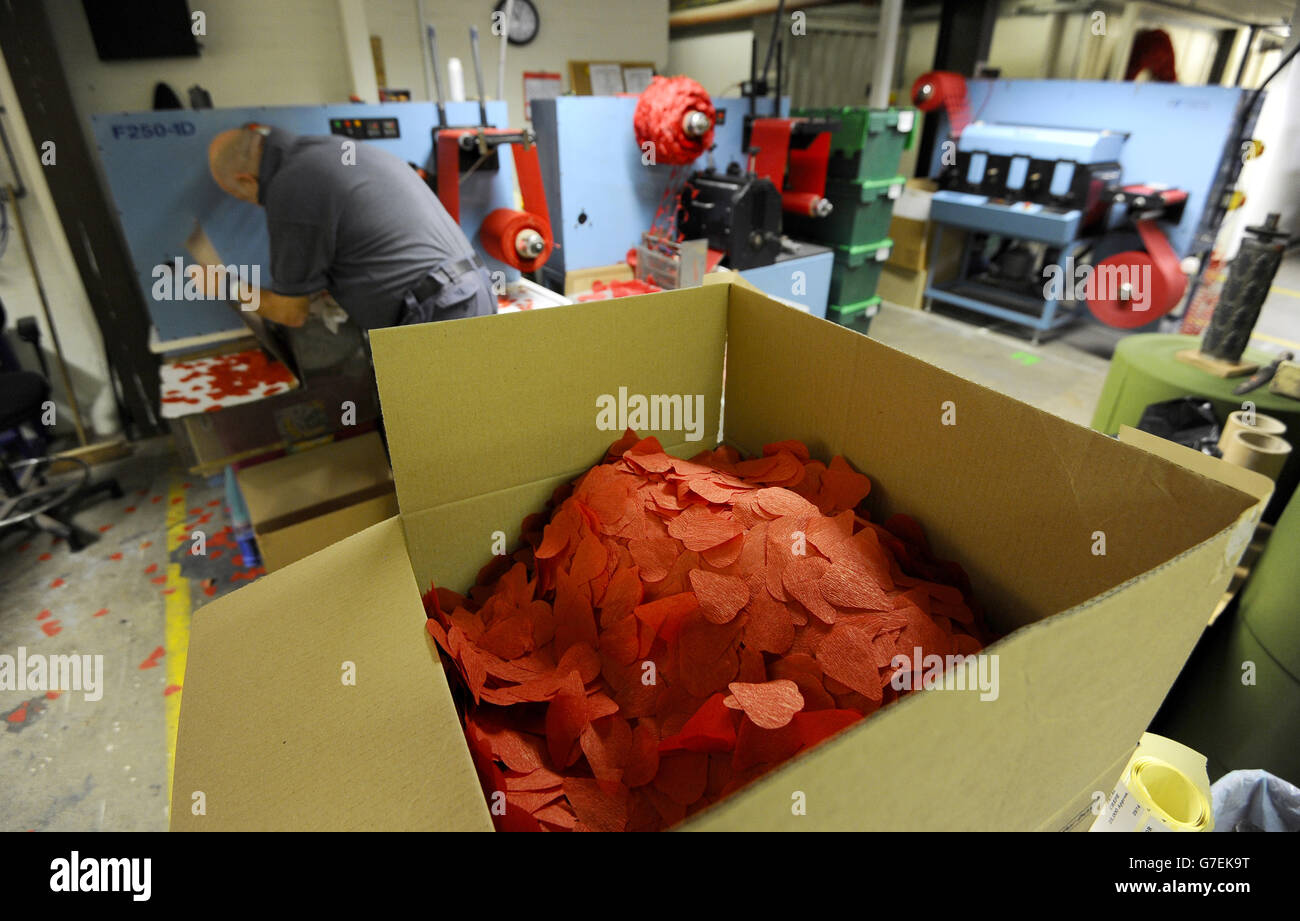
x=49, y=318
x=891, y=14
x=432, y=34
x=505, y=44
x=478, y=74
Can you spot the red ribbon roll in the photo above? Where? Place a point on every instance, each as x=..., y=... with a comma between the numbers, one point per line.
x=1134, y=288
x=943, y=88
x=501, y=229
x=659, y=119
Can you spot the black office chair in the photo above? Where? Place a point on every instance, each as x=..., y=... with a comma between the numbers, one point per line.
x=34, y=499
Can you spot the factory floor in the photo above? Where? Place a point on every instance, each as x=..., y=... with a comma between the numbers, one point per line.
x=75, y=764
x=71, y=763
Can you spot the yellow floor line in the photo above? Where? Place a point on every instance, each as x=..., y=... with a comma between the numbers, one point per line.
x=1289, y=292
x=176, y=628
x=1275, y=340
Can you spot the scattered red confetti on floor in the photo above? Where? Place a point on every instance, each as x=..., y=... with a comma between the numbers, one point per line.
x=156, y=499
x=209, y=587
x=177, y=500
x=51, y=695
x=100, y=613
x=57, y=583
x=168, y=591
x=22, y=548
x=129, y=509
x=153, y=658
x=105, y=528
x=158, y=580
x=44, y=614
x=764, y=604
x=146, y=545
x=142, y=492
x=171, y=689
x=214, y=503
x=151, y=568
x=45, y=556
x=115, y=556
x=51, y=627
x=185, y=486
x=19, y=714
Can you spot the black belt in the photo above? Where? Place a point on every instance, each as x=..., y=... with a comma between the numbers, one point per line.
x=442, y=275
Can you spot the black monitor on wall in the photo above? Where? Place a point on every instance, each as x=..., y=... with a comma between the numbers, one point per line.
x=141, y=29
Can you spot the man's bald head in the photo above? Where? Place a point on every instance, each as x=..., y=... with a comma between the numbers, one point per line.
x=235, y=157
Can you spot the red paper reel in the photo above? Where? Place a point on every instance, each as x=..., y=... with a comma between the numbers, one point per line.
x=1133, y=288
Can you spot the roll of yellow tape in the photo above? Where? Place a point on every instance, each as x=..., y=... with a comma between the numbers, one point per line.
x=1164, y=787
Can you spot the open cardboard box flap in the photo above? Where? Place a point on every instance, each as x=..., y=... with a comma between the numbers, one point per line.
x=509, y=412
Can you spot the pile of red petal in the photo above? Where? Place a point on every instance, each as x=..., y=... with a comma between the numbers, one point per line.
x=673, y=629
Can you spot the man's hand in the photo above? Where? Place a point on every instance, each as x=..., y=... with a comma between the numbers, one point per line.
x=287, y=310
x=283, y=309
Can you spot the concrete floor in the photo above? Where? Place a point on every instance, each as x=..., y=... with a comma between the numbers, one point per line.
x=72, y=764
x=1064, y=374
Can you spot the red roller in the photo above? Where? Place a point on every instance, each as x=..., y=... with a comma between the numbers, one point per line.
x=1134, y=288
x=675, y=115
x=517, y=238
x=943, y=88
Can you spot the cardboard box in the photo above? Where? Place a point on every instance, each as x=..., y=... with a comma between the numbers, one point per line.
x=274, y=738
x=903, y=287
x=580, y=281
x=305, y=501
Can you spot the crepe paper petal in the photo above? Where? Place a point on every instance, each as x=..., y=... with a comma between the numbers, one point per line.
x=711, y=729
x=720, y=597
x=698, y=528
x=596, y=808
x=566, y=718
x=846, y=655
x=682, y=776
x=769, y=705
x=671, y=629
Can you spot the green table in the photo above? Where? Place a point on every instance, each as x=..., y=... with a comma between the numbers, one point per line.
x=1215, y=707
x=1144, y=371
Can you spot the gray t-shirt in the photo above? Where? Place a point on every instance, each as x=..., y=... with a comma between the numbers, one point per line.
x=365, y=231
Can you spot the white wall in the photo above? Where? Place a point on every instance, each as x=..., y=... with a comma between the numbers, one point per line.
x=77, y=329
x=717, y=62
x=256, y=52
x=582, y=30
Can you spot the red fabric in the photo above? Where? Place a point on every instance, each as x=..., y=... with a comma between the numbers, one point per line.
x=658, y=119
x=1153, y=52
x=950, y=93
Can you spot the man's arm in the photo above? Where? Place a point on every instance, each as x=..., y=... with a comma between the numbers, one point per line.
x=288, y=310
x=285, y=309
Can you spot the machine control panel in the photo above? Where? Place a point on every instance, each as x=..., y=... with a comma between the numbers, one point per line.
x=366, y=129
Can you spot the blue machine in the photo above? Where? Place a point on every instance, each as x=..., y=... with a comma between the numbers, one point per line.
x=601, y=197
x=1037, y=181
x=156, y=165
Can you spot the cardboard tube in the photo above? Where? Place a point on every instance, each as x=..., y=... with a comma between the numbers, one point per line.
x=1265, y=425
x=1257, y=451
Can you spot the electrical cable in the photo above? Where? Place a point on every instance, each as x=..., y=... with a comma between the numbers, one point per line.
x=771, y=43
